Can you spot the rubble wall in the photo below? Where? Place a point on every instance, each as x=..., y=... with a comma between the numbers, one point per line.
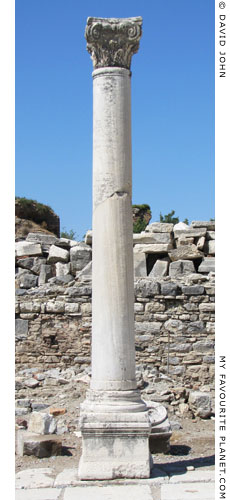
x=174, y=310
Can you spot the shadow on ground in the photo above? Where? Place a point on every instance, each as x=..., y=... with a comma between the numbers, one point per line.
x=180, y=466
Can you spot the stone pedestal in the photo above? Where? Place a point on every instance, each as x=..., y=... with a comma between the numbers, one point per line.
x=114, y=420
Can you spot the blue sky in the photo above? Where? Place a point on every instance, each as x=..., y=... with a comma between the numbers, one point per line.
x=172, y=106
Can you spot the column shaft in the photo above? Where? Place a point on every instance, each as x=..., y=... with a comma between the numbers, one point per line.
x=113, y=352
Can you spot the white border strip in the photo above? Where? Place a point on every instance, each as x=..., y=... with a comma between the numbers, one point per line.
x=222, y=159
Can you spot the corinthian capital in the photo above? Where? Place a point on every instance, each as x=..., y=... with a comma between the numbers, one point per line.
x=112, y=42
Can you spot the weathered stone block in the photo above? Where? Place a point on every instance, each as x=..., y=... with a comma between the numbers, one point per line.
x=89, y=237
x=154, y=248
x=139, y=262
x=200, y=243
x=28, y=280
x=31, y=263
x=160, y=268
x=192, y=290
x=138, y=307
x=86, y=271
x=209, y=247
x=190, y=232
x=159, y=227
x=150, y=237
x=55, y=307
x=188, y=252
x=180, y=347
x=57, y=254
x=146, y=288
x=30, y=307
x=210, y=225
x=62, y=269
x=80, y=256
x=42, y=423
x=184, y=241
x=196, y=327
x=173, y=325
x=27, y=248
x=169, y=289
x=45, y=274
x=153, y=327
x=180, y=267
x=207, y=265
x=47, y=239
x=72, y=307
x=207, y=307
x=203, y=346
x=155, y=307
x=21, y=329
x=210, y=235
x=86, y=309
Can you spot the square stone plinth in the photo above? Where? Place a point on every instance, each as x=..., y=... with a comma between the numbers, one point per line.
x=115, y=446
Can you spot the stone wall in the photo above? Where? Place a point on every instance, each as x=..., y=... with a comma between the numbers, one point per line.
x=174, y=311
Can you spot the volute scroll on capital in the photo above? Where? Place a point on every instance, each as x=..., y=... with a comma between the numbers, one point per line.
x=112, y=42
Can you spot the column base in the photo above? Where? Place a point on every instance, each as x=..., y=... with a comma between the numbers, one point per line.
x=159, y=439
x=115, y=444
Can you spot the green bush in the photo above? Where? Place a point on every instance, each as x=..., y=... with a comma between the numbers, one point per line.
x=70, y=235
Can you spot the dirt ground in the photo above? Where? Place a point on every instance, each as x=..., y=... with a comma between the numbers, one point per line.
x=193, y=445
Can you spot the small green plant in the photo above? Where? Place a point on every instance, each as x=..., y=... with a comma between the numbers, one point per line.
x=70, y=235
x=170, y=219
x=142, y=207
x=139, y=226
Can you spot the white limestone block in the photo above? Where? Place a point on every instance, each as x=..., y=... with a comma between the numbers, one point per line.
x=180, y=226
x=57, y=254
x=27, y=248
x=144, y=237
x=154, y=248
x=159, y=227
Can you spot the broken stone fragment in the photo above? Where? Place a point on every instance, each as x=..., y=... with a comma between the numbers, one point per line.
x=200, y=403
x=42, y=423
x=57, y=411
x=38, y=446
x=31, y=383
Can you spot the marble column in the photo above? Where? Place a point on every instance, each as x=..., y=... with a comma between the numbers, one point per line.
x=114, y=420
